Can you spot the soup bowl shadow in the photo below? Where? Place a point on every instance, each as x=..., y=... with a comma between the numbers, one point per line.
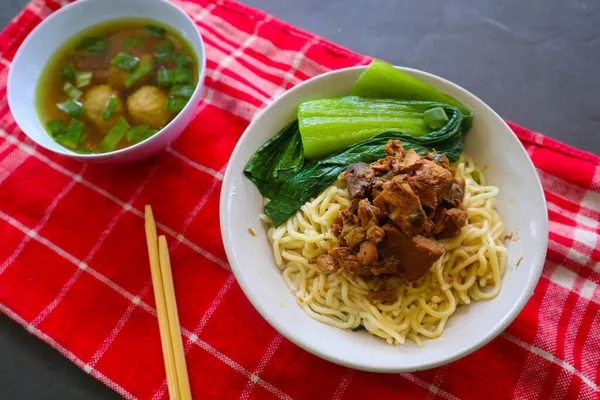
x=45, y=39
x=492, y=145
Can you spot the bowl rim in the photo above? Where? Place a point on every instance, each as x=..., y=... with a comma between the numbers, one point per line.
x=199, y=55
x=294, y=337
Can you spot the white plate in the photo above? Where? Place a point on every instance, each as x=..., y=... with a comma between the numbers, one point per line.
x=521, y=203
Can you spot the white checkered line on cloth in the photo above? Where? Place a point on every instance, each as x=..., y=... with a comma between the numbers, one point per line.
x=66, y=353
x=271, y=349
x=199, y=327
x=67, y=286
x=104, y=193
x=41, y=222
x=136, y=300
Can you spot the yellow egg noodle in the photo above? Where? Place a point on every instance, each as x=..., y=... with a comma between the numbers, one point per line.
x=470, y=270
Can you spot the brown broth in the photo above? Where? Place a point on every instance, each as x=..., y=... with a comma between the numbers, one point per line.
x=50, y=90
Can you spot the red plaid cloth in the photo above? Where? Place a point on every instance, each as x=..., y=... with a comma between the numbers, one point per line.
x=74, y=269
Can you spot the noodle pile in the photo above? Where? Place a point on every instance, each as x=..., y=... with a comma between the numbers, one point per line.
x=470, y=270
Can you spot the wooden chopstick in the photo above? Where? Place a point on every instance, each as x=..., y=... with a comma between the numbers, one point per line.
x=161, y=305
x=178, y=351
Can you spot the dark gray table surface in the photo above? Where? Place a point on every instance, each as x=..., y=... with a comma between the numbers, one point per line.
x=537, y=63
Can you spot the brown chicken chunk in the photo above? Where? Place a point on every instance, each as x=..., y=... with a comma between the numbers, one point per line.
x=394, y=148
x=348, y=261
x=326, y=263
x=412, y=161
x=454, y=220
x=415, y=255
x=358, y=177
x=367, y=254
x=430, y=182
x=401, y=205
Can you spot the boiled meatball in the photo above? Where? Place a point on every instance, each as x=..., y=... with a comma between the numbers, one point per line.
x=146, y=106
x=116, y=75
x=94, y=101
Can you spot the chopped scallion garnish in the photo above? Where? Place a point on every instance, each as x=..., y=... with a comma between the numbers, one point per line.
x=175, y=104
x=137, y=133
x=56, y=127
x=164, y=52
x=183, y=75
x=72, y=108
x=72, y=91
x=139, y=73
x=182, y=91
x=68, y=72
x=125, y=61
x=165, y=76
x=92, y=44
x=181, y=59
x=109, y=109
x=135, y=41
x=83, y=78
x=156, y=31
x=115, y=135
x=73, y=135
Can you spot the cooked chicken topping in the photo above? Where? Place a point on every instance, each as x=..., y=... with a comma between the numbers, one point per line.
x=400, y=205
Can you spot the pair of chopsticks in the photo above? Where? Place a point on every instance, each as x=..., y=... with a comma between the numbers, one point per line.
x=166, y=309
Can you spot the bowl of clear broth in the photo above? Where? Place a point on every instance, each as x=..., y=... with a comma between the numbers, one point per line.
x=109, y=81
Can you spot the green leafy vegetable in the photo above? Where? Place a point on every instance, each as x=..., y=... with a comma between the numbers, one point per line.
x=156, y=31
x=115, y=135
x=72, y=91
x=311, y=180
x=175, y=104
x=92, y=44
x=435, y=117
x=139, y=73
x=72, y=135
x=72, y=108
x=382, y=80
x=56, y=127
x=135, y=41
x=165, y=76
x=276, y=161
x=359, y=328
x=68, y=72
x=181, y=59
x=125, y=61
x=330, y=125
x=109, y=109
x=137, y=133
x=182, y=91
x=164, y=51
x=83, y=78
x=183, y=75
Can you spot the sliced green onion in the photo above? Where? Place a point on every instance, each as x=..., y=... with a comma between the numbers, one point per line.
x=83, y=78
x=72, y=108
x=73, y=135
x=84, y=151
x=156, y=31
x=175, y=104
x=435, y=117
x=139, y=73
x=56, y=127
x=150, y=132
x=92, y=44
x=165, y=76
x=125, y=61
x=476, y=174
x=109, y=109
x=181, y=59
x=182, y=91
x=137, y=133
x=72, y=91
x=135, y=41
x=115, y=135
x=164, y=51
x=183, y=75
x=68, y=72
